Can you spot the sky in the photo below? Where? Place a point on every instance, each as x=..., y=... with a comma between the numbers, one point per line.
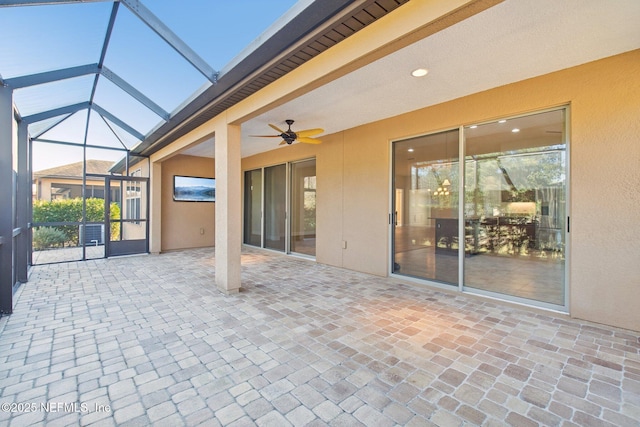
x=44, y=38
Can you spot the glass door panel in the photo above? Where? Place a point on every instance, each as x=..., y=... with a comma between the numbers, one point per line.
x=425, y=231
x=515, y=207
x=303, y=207
x=253, y=207
x=275, y=202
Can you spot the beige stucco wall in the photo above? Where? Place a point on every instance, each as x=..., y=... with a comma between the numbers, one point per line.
x=186, y=224
x=353, y=181
x=605, y=162
x=142, y=165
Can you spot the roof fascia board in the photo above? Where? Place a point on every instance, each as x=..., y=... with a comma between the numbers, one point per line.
x=146, y=16
x=117, y=121
x=412, y=22
x=408, y=24
x=292, y=33
x=68, y=109
x=290, y=14
x=51, y=76
x=135, y=93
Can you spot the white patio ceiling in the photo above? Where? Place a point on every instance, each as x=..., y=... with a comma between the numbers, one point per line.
x=509, y=42
x=512, y=41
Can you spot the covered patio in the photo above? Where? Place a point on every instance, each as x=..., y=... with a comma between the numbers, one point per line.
x=147, y=340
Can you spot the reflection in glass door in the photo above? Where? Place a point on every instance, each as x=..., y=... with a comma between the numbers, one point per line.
x=253, y=207
x=280, y=213
x=275, y=202
x=425, y=231
x=513, y=242
x=515, y=207
x=303, y=208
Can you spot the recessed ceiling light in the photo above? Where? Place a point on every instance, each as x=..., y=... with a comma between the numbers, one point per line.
x=410, y=150
x=473, y=126
x=515, y=130
x=502, y=121
x=419, y=72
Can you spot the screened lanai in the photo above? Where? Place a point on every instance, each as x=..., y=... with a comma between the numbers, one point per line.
x=91, y=88
x=498, y=44
x=81, y=85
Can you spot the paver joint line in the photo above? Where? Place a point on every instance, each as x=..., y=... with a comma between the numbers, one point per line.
x=150, y=340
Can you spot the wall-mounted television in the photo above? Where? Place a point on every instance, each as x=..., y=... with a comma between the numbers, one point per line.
x=194, y=189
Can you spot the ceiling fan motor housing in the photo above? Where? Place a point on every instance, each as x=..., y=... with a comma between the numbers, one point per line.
x=289, y=136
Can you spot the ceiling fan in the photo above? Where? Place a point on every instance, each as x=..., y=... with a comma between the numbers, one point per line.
x=289, y=136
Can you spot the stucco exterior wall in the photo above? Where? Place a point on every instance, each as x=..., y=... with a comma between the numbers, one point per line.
x=353, y=180
x=605, y=161
x=186, y=224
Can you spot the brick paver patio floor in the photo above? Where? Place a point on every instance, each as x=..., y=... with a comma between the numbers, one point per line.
x=148, y=340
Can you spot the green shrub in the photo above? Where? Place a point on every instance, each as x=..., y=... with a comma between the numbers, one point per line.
x=48, y=237
x=115, y=227
x=70, y=210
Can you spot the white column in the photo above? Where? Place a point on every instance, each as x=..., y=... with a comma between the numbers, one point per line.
x=228, y=208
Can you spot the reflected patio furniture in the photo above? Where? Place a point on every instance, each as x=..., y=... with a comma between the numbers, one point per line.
x=487, y=235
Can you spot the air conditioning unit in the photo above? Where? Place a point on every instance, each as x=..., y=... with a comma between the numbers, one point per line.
x=93, y=234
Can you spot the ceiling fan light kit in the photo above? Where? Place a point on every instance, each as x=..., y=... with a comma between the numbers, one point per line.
x=289, y=136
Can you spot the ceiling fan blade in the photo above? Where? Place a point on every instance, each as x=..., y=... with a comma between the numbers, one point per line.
x=309, y=132
x=283, y=142
x=307, y=140
x=266, y=136
x=274, y=127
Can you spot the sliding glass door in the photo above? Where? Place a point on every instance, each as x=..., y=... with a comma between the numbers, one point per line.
x=253, y=207
x=513, y=239
x=275, y=202
x=425, y=232
x=515, y=205
x=303, y=208
x=280, y=207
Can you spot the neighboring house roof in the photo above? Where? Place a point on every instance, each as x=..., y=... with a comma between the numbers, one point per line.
x=75, y=170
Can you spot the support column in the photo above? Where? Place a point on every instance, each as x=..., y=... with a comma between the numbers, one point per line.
x=155, y=205
x=23, y=196
x=228, y=208
x=6, y=200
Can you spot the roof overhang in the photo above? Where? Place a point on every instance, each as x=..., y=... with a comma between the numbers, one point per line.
x=318, y=27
